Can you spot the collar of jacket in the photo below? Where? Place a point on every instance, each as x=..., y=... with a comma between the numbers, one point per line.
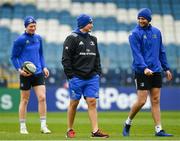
x=77, y=30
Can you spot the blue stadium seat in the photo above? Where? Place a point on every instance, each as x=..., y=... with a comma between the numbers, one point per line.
x=30, y=10
x=117, y=53
x=122, y=27
x=99, y=23
x=102, y=49
x=122, y=4
x=171, y=51
x=132, y=4
x=110, y=23
x=143, y=4
x=6, y=11
x=65, y=17
x=53, y=15
x=41, y=14
x=125, y=57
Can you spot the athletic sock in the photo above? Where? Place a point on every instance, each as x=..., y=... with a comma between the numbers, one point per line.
x=158, y=128
x=128, y=121
x=43, y=121
x=95, y=131
x=22, y=123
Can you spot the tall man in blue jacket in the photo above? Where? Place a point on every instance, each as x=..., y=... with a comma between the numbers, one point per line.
x=28, y=47
x=149, y=58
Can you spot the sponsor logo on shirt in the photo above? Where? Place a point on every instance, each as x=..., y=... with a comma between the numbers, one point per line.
x=81, y=43
x=87, y=50
x=154, y=36
x=87, y=53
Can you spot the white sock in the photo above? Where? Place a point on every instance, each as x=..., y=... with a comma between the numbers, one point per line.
x=158, y=128
x=43, y=121
x=95, y=131
x=22, y=123
x=128, y=121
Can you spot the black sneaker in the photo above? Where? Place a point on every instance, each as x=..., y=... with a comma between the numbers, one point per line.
x=99, y=134
x=126, y=130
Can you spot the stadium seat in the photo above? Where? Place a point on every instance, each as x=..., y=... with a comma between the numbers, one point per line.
x=76, y=8
x=113, y=21
x=88, y=8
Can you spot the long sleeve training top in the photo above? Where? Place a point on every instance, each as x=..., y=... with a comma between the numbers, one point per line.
x=28, y=48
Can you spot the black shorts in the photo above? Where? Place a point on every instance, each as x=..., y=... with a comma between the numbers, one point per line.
x=27, y=82
x=144, y=82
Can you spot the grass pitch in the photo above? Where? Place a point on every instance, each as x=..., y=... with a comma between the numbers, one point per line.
x=110, y=122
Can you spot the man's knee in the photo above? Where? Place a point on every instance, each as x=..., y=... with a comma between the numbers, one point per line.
x=155, y=100
x=24, y=101
x=142, y=102
x=41, y=98
x=73, y=104
x=91, y=103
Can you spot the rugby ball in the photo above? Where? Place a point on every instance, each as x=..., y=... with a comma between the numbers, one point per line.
x=29, y=67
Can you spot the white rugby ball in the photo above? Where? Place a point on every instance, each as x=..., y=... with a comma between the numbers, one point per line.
x=29, y=67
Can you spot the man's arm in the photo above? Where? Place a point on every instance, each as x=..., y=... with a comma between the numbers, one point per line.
x=162, y=56
x=163, y=60
x=98, y=60
x=16, y=51
x=67, y=56
x=136, y=52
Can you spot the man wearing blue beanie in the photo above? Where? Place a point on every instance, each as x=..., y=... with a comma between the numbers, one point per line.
x=28, y=47
x=28, y=20
x=81, y=63
x=146, y=13
x=83, y=20
x=149, y=60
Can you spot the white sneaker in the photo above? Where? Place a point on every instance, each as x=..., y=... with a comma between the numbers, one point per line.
x=23, y=131
x=45, y=130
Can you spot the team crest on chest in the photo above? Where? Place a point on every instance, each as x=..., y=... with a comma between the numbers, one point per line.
x=154, y=36
x=144, y=37
x=27, y=41
x=92, y=43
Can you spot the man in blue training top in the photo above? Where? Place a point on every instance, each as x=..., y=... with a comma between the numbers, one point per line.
x=81, y=62
x=149, y=58
x=28, y=47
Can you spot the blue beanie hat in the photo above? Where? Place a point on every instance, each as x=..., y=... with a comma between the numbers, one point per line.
x=145, y=13
x=28, y=20
x=83, y=20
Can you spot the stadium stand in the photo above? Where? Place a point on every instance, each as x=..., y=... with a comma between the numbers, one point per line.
x=113, y=20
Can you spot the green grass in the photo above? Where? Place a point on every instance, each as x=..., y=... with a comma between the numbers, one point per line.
x=110, y=122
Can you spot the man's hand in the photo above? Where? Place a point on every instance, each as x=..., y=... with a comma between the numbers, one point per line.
x=168, y=75
x=23, y=73
x=46, y=72
x=148, y=72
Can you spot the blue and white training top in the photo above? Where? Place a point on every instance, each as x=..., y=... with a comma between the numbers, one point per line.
x=147, y=49
x=28, y=48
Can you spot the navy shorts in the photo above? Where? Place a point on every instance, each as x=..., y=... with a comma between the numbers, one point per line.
x=34, y=80
x=88, y=88
x=144, y=82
